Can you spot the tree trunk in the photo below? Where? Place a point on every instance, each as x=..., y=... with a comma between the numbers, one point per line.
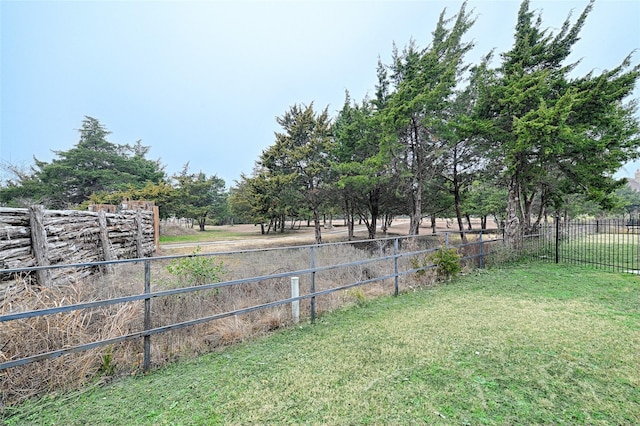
x=388, y=220
x=348, y=215
x=350, y=226
x=457, y=203
x=415, y=215
x=512, y=229
x=371, y=227
x=374, y=210
x=463, y=235
x=526, y=213
x=316, y=222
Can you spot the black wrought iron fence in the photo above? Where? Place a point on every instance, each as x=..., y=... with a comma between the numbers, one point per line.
x=611, y=244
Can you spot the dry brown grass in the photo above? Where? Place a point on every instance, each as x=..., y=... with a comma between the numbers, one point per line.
x=43, y=334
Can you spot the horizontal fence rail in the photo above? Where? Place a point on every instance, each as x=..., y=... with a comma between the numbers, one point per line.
x=391, y=258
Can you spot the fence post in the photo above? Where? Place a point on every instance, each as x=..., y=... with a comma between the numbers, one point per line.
x=480, y=259
x=395, y=265
x=295, y=305
x=39, y=243
x=312, y=289
x=147, y=316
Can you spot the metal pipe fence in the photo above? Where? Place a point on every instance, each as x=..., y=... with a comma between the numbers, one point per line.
x=324, y=270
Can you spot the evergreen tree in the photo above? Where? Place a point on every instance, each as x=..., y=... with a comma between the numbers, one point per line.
x=300, y=157
x=363, y=179
x=423, y=84
x=198, y=197
x=552, y=134
x=93, y=165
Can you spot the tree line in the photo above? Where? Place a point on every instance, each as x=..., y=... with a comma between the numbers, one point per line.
x=97, y=171
x=516, y=138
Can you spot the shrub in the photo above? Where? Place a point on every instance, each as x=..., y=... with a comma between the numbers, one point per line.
x=447, y=261
x=196, y=270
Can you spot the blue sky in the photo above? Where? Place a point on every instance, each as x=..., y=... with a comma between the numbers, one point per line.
x=203, y=81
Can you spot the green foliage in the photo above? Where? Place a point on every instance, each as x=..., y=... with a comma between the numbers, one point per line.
x=365, y=185
x=296, y=170
x=108, y=368
x=161, y=193
x=627, y=200
x=198, y=197
x=417, y=116
x=486, y=197
x=196, y=270
x=447, y=262
x=239, y=201
x=420, y=263
x=357, y=293
x=440, y=137
x=93, y=165
x=555, y=135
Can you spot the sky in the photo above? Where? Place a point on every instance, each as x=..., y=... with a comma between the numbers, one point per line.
x=202, y=82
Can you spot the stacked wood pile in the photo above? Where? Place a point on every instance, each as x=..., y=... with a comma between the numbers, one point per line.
x=108, y=208
x=38, y=237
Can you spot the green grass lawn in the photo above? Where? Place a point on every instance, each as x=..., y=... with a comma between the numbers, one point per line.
x=621, y=251
x=204, y=236
x=529, y=344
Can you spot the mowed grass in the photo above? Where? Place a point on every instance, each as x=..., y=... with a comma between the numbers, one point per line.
x=529, y=344
x=619, y=251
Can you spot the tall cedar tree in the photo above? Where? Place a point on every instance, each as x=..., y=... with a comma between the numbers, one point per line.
x=554, y=135
x=301, y=156
x=198, y=197
x=363, y=181
x=93, y=165
x=424, y=82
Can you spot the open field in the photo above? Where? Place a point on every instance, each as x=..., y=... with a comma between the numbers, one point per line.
x=529, y=344
x=247, y=236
